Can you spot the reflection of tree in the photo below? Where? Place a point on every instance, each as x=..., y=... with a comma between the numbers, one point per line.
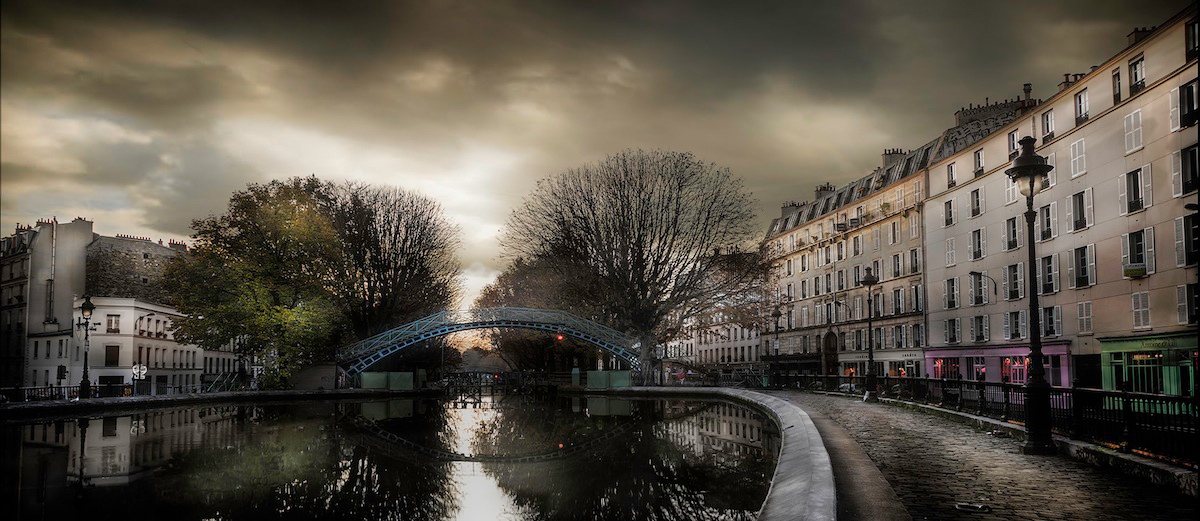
x=304, y=468
x=643, y=475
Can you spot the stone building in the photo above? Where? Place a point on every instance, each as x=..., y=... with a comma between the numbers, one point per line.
x=1116, y=249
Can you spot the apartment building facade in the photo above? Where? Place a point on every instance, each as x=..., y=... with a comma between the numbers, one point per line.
x=1116, y=249
x=822, y=250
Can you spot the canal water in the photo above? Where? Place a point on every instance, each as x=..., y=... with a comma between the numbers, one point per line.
x=513, y=457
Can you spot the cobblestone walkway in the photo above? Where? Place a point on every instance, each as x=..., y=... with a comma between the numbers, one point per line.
x=934, y=463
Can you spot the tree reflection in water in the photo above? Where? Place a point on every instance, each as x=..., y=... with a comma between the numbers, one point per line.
x=651, y=472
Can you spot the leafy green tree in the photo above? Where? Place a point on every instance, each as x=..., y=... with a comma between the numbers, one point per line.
x=256, y=277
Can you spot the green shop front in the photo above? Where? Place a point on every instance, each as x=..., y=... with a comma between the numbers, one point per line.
x=1159, y=364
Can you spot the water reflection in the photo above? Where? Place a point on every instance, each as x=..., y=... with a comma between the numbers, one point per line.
x=514, y=457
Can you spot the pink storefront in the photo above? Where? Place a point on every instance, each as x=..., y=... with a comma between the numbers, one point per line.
x=998, y=364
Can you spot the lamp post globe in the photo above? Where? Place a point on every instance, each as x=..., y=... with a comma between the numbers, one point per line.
x=870, y=280
x=85, y=321
x=1030, y=172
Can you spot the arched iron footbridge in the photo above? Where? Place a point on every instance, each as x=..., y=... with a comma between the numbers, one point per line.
x=357, y=357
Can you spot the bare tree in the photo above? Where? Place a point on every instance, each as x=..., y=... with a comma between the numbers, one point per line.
x=398, y=258
x=646, y=239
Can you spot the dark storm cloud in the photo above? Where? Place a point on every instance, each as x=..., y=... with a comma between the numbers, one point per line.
x=472, y=101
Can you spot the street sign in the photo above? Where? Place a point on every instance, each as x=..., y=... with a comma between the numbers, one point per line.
x=139, y=371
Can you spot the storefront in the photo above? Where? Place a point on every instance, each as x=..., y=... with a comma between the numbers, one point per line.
x=1158, y=364
x=999, y=364
x=888, y=362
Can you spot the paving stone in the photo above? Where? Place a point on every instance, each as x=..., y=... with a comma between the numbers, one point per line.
x=934, y=463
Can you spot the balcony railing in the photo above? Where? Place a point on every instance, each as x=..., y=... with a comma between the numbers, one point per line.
x=1159, y=426
x=1081, y=118
x=1082, y=281
x=1134, y=205
x=1080, y=224
x=1137, y=87
x=1047, y=234
x=1047, y=138
x=1011, y=244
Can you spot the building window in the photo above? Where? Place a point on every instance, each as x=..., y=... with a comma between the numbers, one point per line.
x=1137, y=75
x=1141, y=310
x=894, y=233
x=977, y=368
x=1013, y=138
x=897, y=265
x=114, y=324
x=1082, y=270
x=950, y=260
x=1012, y=234
x=1010, y=191
x=1079, y=211
x=977, y=289
x=978, y=244
x=112, y=356
x=976, y=203
x=1051, y=321
x=914, y=225
x=1133, y=191
x=1191, y=40
x=980, y=328
x=948, y=213
x=1116, y=86
x=951, y=176
x=898, y=337
x=1187, y=240
x=917, y=300
x=897, y=301
x=1182, y=106
x=1186, y=303
x=856, y=245
x=914, y=261
x=1014, y=281
x=952, y=328
x=950, y=294
x=1133, y=132
x=1047, y=221
x=1014, y=325
x=1078, y=161
x=918, y=336
x=1081, y=106
x=1048, y=274
x=1047, y=126
x=1083, y=311
x=1137, y=253
x=978, y=161
x=1184, y=166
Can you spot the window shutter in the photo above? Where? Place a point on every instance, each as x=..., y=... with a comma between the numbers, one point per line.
x=1008, y=326
x=1087, y=201
x=971, y=291
x=1181, y=303
x=1176, y=173
x=1006, y=282
x=957, y=292
x=1023, y=329
x=901, y=300
x=1174, y=104
x=1148, y=233
x=1129, y=133
x=1180, y=251
x=1091, y=258
x=1070, y=213
x=1137, y=129
x=1071, y=269
x=982, y=205
x=1054, y=271
x=982, y=242
x=1054, y=171
x=1147, y=193
x=1058, y=320
x=946, y=331
x=1018, y=232
x=987, y=334
x=1124, y=250
x=1054, y=219
x=943, y=219
x=974, y=335
x=1021, y=279
x=1122, y=195
x=945, y=293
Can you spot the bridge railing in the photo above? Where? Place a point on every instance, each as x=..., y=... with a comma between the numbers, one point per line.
x=1156, y=425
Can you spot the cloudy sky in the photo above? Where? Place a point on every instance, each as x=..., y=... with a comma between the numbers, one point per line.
x=145, y=115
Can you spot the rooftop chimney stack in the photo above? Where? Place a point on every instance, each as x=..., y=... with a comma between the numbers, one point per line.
x=1139, y=34
x=891, y=155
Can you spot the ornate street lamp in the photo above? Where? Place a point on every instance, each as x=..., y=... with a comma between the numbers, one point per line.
x=85, y=309
x=1029, y=172
x=870, y=280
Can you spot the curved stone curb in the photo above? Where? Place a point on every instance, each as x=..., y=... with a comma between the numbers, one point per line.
x=803, y=486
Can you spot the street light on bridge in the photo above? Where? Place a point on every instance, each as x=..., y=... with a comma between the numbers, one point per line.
x=85, y=321
x=870, y=280
x=1030, y=173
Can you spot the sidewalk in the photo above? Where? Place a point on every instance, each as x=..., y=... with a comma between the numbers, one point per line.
x=934, y=464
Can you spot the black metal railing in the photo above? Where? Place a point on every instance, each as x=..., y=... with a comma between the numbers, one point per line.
x=1135, y=205
x=1155, y=425
x=1047, y=234
x=71, y=392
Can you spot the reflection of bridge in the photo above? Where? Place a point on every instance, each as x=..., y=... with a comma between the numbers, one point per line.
x=393, y=445
x=359, y=356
